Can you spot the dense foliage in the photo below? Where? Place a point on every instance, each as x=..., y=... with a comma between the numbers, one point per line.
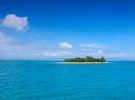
x=86, y=59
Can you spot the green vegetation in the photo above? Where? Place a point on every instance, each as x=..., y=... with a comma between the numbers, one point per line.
x=86, y=59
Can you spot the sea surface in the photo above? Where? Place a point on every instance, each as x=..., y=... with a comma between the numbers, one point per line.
x=42, y=80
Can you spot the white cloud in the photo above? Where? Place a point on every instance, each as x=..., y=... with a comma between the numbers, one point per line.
x=97, y=53
x=100, y=52
x=115, y=55
x=65, y=45
x=13, y=21
x=11, y=48
x=5, y=43
x=92, y=46
x=122, y=55
x=14, y=48
x=4, y=39
x=55, y=54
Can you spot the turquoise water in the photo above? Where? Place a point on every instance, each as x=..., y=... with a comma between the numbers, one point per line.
x=39, y=80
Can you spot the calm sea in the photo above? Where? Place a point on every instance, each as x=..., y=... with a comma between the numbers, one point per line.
x=40, y=80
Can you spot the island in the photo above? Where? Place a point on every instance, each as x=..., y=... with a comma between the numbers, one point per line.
x=87, y=59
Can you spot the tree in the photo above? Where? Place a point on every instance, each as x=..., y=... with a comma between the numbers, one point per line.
x=86, y=59
x=102, y=59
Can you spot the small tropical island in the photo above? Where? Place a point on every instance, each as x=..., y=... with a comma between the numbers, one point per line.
x=87, y=59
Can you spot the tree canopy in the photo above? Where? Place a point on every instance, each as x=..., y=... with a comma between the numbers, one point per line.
x=86, y=59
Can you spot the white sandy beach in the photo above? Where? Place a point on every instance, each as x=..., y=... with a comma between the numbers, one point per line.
x=84, y=62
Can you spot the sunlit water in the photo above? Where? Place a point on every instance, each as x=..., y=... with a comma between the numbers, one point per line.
x=39, y=80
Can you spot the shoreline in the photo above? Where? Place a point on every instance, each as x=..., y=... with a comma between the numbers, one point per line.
x=84, y=62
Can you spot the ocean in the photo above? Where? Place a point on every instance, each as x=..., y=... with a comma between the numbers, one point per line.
x=42, y=80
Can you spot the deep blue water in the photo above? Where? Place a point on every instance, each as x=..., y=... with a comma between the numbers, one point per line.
x=39, y=80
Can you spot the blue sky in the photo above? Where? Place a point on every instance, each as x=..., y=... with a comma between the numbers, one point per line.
x=57, y=29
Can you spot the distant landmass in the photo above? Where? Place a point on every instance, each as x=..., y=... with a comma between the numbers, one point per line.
x=86, y=59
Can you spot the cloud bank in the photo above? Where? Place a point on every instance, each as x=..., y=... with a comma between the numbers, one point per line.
x=92, y=46
x=56, y=54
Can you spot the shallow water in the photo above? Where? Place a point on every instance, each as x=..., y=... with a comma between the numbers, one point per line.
x=39, y=80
